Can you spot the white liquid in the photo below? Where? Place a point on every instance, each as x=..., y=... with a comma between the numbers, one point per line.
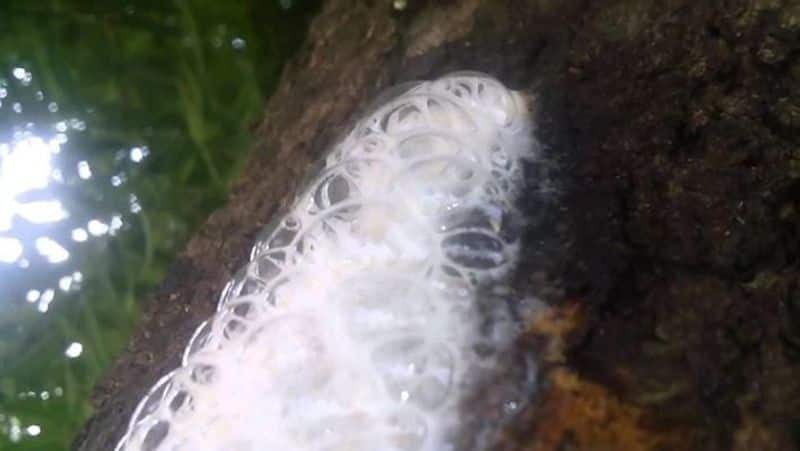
x=354, y=325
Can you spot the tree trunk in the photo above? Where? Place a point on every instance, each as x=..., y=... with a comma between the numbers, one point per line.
x=664, y=238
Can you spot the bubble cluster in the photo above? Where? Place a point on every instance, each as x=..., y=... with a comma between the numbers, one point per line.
x=355, y=325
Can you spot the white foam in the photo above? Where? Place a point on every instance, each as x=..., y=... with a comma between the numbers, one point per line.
x=353, y=327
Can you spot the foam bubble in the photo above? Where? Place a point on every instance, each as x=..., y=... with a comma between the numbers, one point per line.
x=355, y=325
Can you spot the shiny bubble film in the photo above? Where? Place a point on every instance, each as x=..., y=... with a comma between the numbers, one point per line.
x=358, y=323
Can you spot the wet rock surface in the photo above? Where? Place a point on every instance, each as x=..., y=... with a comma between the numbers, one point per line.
x=662, y=252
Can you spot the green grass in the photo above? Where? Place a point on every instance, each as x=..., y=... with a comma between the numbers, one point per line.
x=167, y=75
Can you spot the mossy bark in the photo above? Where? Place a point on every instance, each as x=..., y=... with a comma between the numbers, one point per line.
x=664, y=235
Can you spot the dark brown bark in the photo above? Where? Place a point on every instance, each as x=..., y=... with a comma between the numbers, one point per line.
x=665, y=210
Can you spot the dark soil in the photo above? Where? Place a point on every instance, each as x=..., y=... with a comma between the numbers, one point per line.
x=665, y=209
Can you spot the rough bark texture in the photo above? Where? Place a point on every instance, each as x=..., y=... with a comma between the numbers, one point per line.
x=665, y=234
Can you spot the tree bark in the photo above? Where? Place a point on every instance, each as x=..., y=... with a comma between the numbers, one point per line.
x=664, y=232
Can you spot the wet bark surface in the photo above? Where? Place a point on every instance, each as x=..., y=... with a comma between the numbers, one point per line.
x=664, y=209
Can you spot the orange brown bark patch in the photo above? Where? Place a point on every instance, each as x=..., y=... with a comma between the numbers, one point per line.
x=586, y=416
x=556, y=326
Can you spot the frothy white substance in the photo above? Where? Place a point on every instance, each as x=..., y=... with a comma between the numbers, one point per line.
x=354, y=325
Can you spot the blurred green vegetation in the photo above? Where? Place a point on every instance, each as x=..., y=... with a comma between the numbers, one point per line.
x=185, y=80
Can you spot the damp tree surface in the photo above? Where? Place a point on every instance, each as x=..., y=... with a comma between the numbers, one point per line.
x=664, y=231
